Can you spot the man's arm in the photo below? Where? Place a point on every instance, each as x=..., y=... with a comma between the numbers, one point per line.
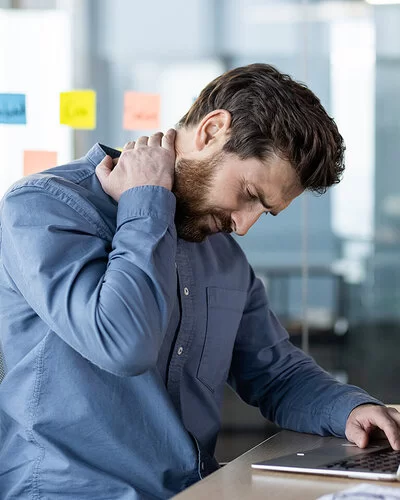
x=112, y=307
x=288, y=386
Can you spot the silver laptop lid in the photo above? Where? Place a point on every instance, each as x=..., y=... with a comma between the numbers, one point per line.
x=377, y=461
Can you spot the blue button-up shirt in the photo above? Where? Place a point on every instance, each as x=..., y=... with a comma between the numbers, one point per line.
x=118, y=338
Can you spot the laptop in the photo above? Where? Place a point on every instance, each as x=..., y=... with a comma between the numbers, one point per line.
x=377, y=461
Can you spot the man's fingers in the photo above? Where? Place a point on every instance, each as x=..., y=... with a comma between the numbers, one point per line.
x=394, y=416
x=104, y=168
x=359, y=436
x=142, y=141
x=129, y=145
x=390, y=427
x=168, y=140
x=363, y=427
x=394, y=413
x=155, y=139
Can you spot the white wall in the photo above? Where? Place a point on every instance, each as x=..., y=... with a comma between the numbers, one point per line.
x=35, y=59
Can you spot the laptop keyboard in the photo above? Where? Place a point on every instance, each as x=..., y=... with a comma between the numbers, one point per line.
x=387, y=460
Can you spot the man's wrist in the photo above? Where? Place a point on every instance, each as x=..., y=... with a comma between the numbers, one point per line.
x=344, y=405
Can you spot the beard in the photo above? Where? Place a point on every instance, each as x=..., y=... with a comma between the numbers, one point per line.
x=192, y=184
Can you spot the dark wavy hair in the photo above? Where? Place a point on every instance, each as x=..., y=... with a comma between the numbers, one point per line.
x=273, y=114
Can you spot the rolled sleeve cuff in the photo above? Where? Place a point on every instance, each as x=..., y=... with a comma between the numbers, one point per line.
x=146, y=201
x=343, y=406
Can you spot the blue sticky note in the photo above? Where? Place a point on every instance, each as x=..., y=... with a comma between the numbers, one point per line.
x=13, y=109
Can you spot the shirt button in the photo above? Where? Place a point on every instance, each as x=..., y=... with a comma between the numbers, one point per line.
x=202, y=465
x=186, y=291
x=180, y=351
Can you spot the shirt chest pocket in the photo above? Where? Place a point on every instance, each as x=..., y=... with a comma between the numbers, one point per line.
x=224, y=312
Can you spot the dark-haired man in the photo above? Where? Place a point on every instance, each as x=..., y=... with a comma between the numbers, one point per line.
x=126, y=305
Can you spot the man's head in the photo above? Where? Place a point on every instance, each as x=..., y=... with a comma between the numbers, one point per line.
x=252, y=141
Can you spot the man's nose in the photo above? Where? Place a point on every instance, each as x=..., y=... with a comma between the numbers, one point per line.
x=244, y=220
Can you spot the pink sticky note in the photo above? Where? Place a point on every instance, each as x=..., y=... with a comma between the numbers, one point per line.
x=36, y=161
x=141, y=111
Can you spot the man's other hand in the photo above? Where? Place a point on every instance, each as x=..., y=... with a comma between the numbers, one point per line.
x=150, y=161
x=379, y=421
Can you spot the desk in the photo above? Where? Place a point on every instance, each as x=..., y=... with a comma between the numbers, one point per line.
x=237, y=481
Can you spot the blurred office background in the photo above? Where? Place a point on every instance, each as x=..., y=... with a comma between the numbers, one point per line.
x=331, y=264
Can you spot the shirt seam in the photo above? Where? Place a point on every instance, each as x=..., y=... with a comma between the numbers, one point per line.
x=90, y=159
x=143, y=213
x=199, y=460
x=84, y=175
x=32, y=409
x=58, y=193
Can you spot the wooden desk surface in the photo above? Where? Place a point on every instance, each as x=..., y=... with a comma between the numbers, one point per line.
x=238, y=481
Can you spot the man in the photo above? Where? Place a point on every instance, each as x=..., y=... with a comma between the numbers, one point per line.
x=126, y=305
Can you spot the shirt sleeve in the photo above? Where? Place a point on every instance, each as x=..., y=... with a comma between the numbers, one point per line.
x=288, y=386
x=110, y=301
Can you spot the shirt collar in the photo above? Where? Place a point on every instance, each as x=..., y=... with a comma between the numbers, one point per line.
x=99, y=151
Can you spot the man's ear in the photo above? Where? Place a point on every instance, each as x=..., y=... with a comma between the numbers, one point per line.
x=213, y=130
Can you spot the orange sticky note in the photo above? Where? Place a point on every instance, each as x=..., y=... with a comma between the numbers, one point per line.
x=141, y=111
x=36, y=161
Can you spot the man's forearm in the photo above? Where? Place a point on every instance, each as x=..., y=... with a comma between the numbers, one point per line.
x=112, y=308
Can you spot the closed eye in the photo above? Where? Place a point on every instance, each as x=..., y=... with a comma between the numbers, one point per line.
x=256, y=197
x=251, y=195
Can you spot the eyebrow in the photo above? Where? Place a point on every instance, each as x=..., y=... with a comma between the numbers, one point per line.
x=264, y=202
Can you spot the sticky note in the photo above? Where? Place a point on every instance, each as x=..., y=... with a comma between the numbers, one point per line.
x=78, y=109
x=36, y=161
x=141, y=111
x=13, y=109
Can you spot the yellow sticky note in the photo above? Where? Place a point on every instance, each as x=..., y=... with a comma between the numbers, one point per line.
x=36, y=161
x=78, y=109
x=141, y=111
